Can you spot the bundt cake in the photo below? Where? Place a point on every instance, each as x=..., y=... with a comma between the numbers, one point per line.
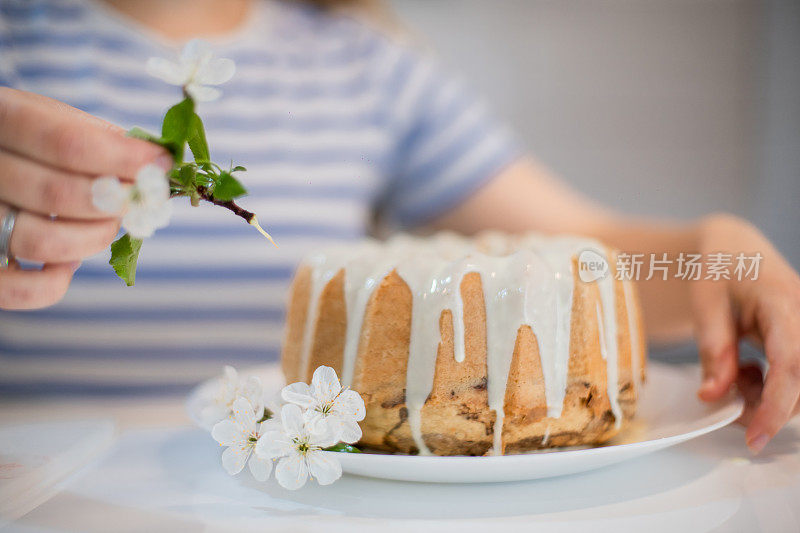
x=470, y=346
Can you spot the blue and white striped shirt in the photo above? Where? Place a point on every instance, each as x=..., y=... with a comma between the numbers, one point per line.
x=333, y=121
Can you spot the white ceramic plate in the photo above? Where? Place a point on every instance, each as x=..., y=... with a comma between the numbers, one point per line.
x=669, y=413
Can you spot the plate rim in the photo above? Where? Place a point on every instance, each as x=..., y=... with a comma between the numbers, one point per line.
x=730, y=409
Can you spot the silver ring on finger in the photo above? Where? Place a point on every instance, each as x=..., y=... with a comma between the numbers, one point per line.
x=6, y=229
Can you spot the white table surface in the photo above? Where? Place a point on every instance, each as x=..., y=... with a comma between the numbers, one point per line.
x=162, y=474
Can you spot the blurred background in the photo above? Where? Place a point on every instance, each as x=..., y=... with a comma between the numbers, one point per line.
x=673, y=108
x=660, y=107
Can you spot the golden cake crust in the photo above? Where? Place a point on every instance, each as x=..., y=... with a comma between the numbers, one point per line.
x=456, y=418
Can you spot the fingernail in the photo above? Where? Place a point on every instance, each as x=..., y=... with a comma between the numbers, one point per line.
x=74, y=266
x=164, y=161
x=757, y=444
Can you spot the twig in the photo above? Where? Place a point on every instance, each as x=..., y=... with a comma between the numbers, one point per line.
x=248, y=216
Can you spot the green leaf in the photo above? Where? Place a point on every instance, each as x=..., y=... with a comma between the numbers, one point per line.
x=124, y=254
x=176, y=125
x=205, y=180
x=138, y=133
x=186, y=175
x=228, y=188
x=197, y=139
x=238, y=168
x=342, y=447
x=171, y=147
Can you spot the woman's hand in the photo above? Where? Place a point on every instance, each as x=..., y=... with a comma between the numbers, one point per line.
x=49, y=155
x=766, y=311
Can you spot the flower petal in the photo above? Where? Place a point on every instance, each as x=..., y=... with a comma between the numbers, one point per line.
x=167, y=71
x=253, y=391
x=316, y=422
x=299, y=393
x=201, y=93
x=292, y=420
x=243, y=415
x=194, y=51
x=138, y=221
x=324, y=467
x=227, y=432
x=350, y=404
x=325, y=383
x=159, y=216
x=213, y=413
x=329, y=434
x=215, y=72
x=153, y=187
x=142, y=222
x=349, y=432
x=109, y=195
x=292, y=472
x=227, y=386
x=230, y=374
x=234, y=459
x=260, y=468
x=273, y=444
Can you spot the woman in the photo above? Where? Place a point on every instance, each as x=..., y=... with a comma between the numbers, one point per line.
x=334, y=122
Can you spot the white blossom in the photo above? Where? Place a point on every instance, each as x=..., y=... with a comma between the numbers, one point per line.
x=230, y=388
x=152, y=186
x=299, y=452
x=195, y=70
x=109, y=195
x=146, y=203
x=328, y=407
x=240, y=434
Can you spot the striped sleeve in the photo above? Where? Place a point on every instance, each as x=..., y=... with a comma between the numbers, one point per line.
x=6, y=64
x=448, y=143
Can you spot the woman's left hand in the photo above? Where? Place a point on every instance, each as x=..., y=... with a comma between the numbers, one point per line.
x=765, y=310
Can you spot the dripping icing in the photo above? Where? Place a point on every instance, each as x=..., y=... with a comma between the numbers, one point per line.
x=633, y=328
x=526, y=281
x=321, y=273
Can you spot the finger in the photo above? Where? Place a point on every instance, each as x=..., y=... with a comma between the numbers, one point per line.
x=750, y=384
x=33, y=289
x=51, y=132
x=715, y=329
x=46, y=190
x=45, y=240
x=781, y=387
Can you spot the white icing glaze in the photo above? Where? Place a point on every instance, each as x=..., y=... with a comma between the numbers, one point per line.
x=431, y=296
x=323, y=268
x=526, y=280
x=505, y=313
x=633, y=328
x=610, y=374
x=554, y=313
x=609, y=344
x=361, y=278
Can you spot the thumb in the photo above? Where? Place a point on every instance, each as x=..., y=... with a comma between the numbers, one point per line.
x=717, y=340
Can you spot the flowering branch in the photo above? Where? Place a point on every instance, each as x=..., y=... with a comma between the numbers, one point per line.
x=146, y=204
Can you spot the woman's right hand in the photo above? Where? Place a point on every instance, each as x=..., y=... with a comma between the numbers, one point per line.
x=49, y=155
